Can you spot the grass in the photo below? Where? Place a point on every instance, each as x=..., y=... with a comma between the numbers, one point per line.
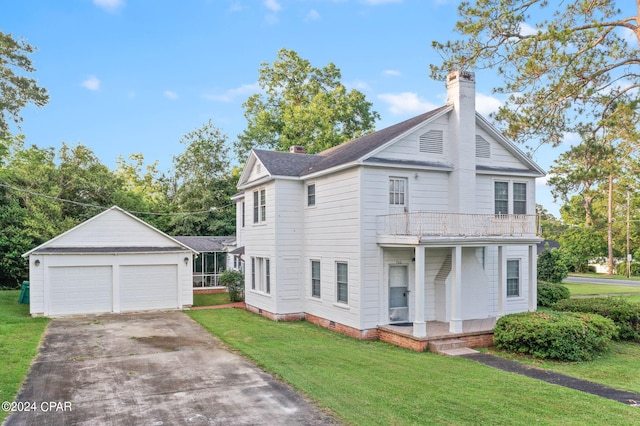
x=19, y=339
x=365, y=382
x=211, y=299
x=593, y=289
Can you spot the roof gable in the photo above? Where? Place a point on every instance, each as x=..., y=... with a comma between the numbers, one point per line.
x=113, y=228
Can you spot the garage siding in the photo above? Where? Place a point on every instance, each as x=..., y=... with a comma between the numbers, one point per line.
x=80, y=290
x=145, y=287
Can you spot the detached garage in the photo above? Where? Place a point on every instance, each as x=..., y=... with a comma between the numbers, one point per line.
x=113, y=262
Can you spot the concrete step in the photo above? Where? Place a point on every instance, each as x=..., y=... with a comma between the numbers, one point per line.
x=458, y=352
x=438, y=346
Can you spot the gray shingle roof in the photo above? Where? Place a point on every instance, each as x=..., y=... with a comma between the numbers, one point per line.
x=290, y=164
x=206, y=243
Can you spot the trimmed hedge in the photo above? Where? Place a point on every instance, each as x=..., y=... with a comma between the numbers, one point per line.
x=564, y=336
x=625, y=314
x=549, y=293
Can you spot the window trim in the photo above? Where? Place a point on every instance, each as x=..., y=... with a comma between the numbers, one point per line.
x=311, y=198
x=519, y=278
x=510, y=200
x=339, y=283
x=394, y=195
x=316, y=282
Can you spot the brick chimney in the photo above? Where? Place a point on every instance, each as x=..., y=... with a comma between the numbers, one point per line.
x=461, y=93
x=297, y=149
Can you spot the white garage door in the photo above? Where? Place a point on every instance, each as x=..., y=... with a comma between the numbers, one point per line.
x=80, y=290
x=148, y=287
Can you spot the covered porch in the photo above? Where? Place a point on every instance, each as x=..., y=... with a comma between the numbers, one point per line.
x=456, y=274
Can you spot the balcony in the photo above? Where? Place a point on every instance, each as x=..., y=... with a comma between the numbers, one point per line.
x=457, y=225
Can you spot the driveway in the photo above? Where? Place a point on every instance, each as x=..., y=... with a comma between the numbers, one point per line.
x=150, y=369
x=610, y=281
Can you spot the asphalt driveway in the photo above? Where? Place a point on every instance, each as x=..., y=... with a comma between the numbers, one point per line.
x=150, y=369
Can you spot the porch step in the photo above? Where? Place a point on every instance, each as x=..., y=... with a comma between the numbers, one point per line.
x=444, y=345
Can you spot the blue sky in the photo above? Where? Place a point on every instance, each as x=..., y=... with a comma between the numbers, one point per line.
x=134, y=76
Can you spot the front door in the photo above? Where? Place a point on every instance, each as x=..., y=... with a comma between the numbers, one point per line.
x=398, y=293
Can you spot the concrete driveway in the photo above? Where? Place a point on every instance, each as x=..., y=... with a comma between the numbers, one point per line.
x=150, y=369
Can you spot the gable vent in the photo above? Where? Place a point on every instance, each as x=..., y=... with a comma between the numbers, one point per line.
x=483, y=149
x=432, y=142
x=258, y=168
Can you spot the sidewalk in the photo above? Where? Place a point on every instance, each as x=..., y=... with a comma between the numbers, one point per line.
x=603, y=391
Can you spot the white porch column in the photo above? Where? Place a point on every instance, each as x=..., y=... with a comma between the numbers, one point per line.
x=419, y=324
x=533, y=278
x=502, y=279
x=455, y=323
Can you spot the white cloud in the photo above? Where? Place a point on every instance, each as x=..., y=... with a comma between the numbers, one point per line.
x=91, y=83
x=111, y=6
x=169, y=94
x=526, y=29
x=405, y=103
x=543, y=181
x=313, y=15
x=230, y=95
x=571, y=139
x=486, y=104
x=358, y=85
x=392, y=73
x=272, y=5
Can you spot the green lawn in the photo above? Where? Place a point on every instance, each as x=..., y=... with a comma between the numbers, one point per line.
x=211, y=299
x=593, y=289
x=376, y=383
x=19, y=339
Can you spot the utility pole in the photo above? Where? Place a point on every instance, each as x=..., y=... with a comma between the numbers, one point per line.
x=628, y=236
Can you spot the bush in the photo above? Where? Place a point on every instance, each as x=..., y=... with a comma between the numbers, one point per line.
x=234, y=281
x=625, y=314
x=621, y=268
x=549, y=294
x=552, y=266
x=564, y=336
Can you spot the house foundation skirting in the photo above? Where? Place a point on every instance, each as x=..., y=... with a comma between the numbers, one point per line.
x=298, y=316
x=370, y=334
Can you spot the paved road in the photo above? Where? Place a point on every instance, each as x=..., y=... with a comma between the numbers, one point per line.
x=150, y=369
x=602, y=281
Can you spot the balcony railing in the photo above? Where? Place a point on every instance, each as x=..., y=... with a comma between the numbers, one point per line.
x=456, y=224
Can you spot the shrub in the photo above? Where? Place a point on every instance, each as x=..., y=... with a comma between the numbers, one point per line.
x=552, y=266
x=564, y=336
x=549, y=294
x=621, y=268
x=625, y=314
x=234, y=281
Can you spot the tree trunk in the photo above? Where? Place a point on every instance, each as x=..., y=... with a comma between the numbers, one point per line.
x=610, y=226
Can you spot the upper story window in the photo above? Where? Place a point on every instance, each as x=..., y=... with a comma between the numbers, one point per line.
x=501, y=198
x=510, y=193
x=397, y=191
x=311, y=194
x=519, y=198
x=259, y=206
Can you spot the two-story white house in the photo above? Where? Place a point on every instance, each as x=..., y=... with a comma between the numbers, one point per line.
x=424, y=225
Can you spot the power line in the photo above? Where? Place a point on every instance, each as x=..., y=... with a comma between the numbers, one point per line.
x=50, y=197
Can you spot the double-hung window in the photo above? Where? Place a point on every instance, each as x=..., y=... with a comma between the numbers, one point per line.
x=342, y=280
x=519, y=198
x=261, y=274
x=397, y=191
x=513, y=278
x=315, y=278
x=501, y=197
x=259, y=206
x=311, y=195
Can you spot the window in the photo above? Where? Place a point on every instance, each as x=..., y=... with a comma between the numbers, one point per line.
x=315, y=278
x=519, y=198
x=261, y=274
x=259, y=206
x=342, y=279
x=243, y=214
x=397, y=191
x=502, y=197
x=513, y=278
x=311, y=195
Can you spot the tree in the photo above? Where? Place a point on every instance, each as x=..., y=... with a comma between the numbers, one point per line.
x=16, y=90
x=303, y=105
x=561, y=63
x=580, y=246
x=203, y=184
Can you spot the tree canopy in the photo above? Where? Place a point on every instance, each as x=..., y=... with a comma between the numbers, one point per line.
x=16, y=90
x=562, y=63
x=303, y=105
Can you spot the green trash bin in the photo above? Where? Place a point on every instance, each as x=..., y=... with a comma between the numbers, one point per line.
x=24, y=294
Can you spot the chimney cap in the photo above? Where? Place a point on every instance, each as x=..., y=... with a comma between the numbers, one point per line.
x=297, y=149
x=461, y=75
